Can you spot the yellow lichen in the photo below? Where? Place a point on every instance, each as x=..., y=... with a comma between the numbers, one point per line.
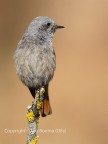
x=38, y=105
x=37, y=95
x=34, y=141
x=30, y=116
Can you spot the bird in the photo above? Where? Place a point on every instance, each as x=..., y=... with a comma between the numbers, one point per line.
x=35, y=59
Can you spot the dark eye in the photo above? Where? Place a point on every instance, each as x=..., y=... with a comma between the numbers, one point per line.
x=48, y=24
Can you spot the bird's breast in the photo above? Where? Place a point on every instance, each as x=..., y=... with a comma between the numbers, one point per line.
x=35, y=65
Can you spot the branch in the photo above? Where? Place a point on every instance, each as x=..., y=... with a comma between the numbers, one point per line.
x=33, y=116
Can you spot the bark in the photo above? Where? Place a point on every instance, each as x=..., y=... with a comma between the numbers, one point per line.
x=33, y=116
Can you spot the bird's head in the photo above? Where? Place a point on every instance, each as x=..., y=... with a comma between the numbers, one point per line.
x=43, y=28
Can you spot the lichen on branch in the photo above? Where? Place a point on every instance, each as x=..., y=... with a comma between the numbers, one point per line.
x=33, y=116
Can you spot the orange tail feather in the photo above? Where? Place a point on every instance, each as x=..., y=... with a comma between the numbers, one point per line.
x=46, y=108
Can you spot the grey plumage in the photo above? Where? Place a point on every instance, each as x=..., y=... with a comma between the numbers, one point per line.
x=34, y=57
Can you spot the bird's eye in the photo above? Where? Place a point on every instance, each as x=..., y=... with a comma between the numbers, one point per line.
x=48, y=24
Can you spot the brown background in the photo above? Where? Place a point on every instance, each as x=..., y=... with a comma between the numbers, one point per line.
x=79, y=90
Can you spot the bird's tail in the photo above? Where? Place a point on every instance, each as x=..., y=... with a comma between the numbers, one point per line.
x=46, y=107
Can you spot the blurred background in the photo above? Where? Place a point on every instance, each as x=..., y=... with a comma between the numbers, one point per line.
x=79, y=90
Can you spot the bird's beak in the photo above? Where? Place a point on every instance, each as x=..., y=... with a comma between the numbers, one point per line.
x=58, y=26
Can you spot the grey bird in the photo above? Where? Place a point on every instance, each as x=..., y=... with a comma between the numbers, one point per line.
x=35, y=58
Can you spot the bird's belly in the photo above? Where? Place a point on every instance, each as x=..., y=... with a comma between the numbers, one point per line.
x=36, y=71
